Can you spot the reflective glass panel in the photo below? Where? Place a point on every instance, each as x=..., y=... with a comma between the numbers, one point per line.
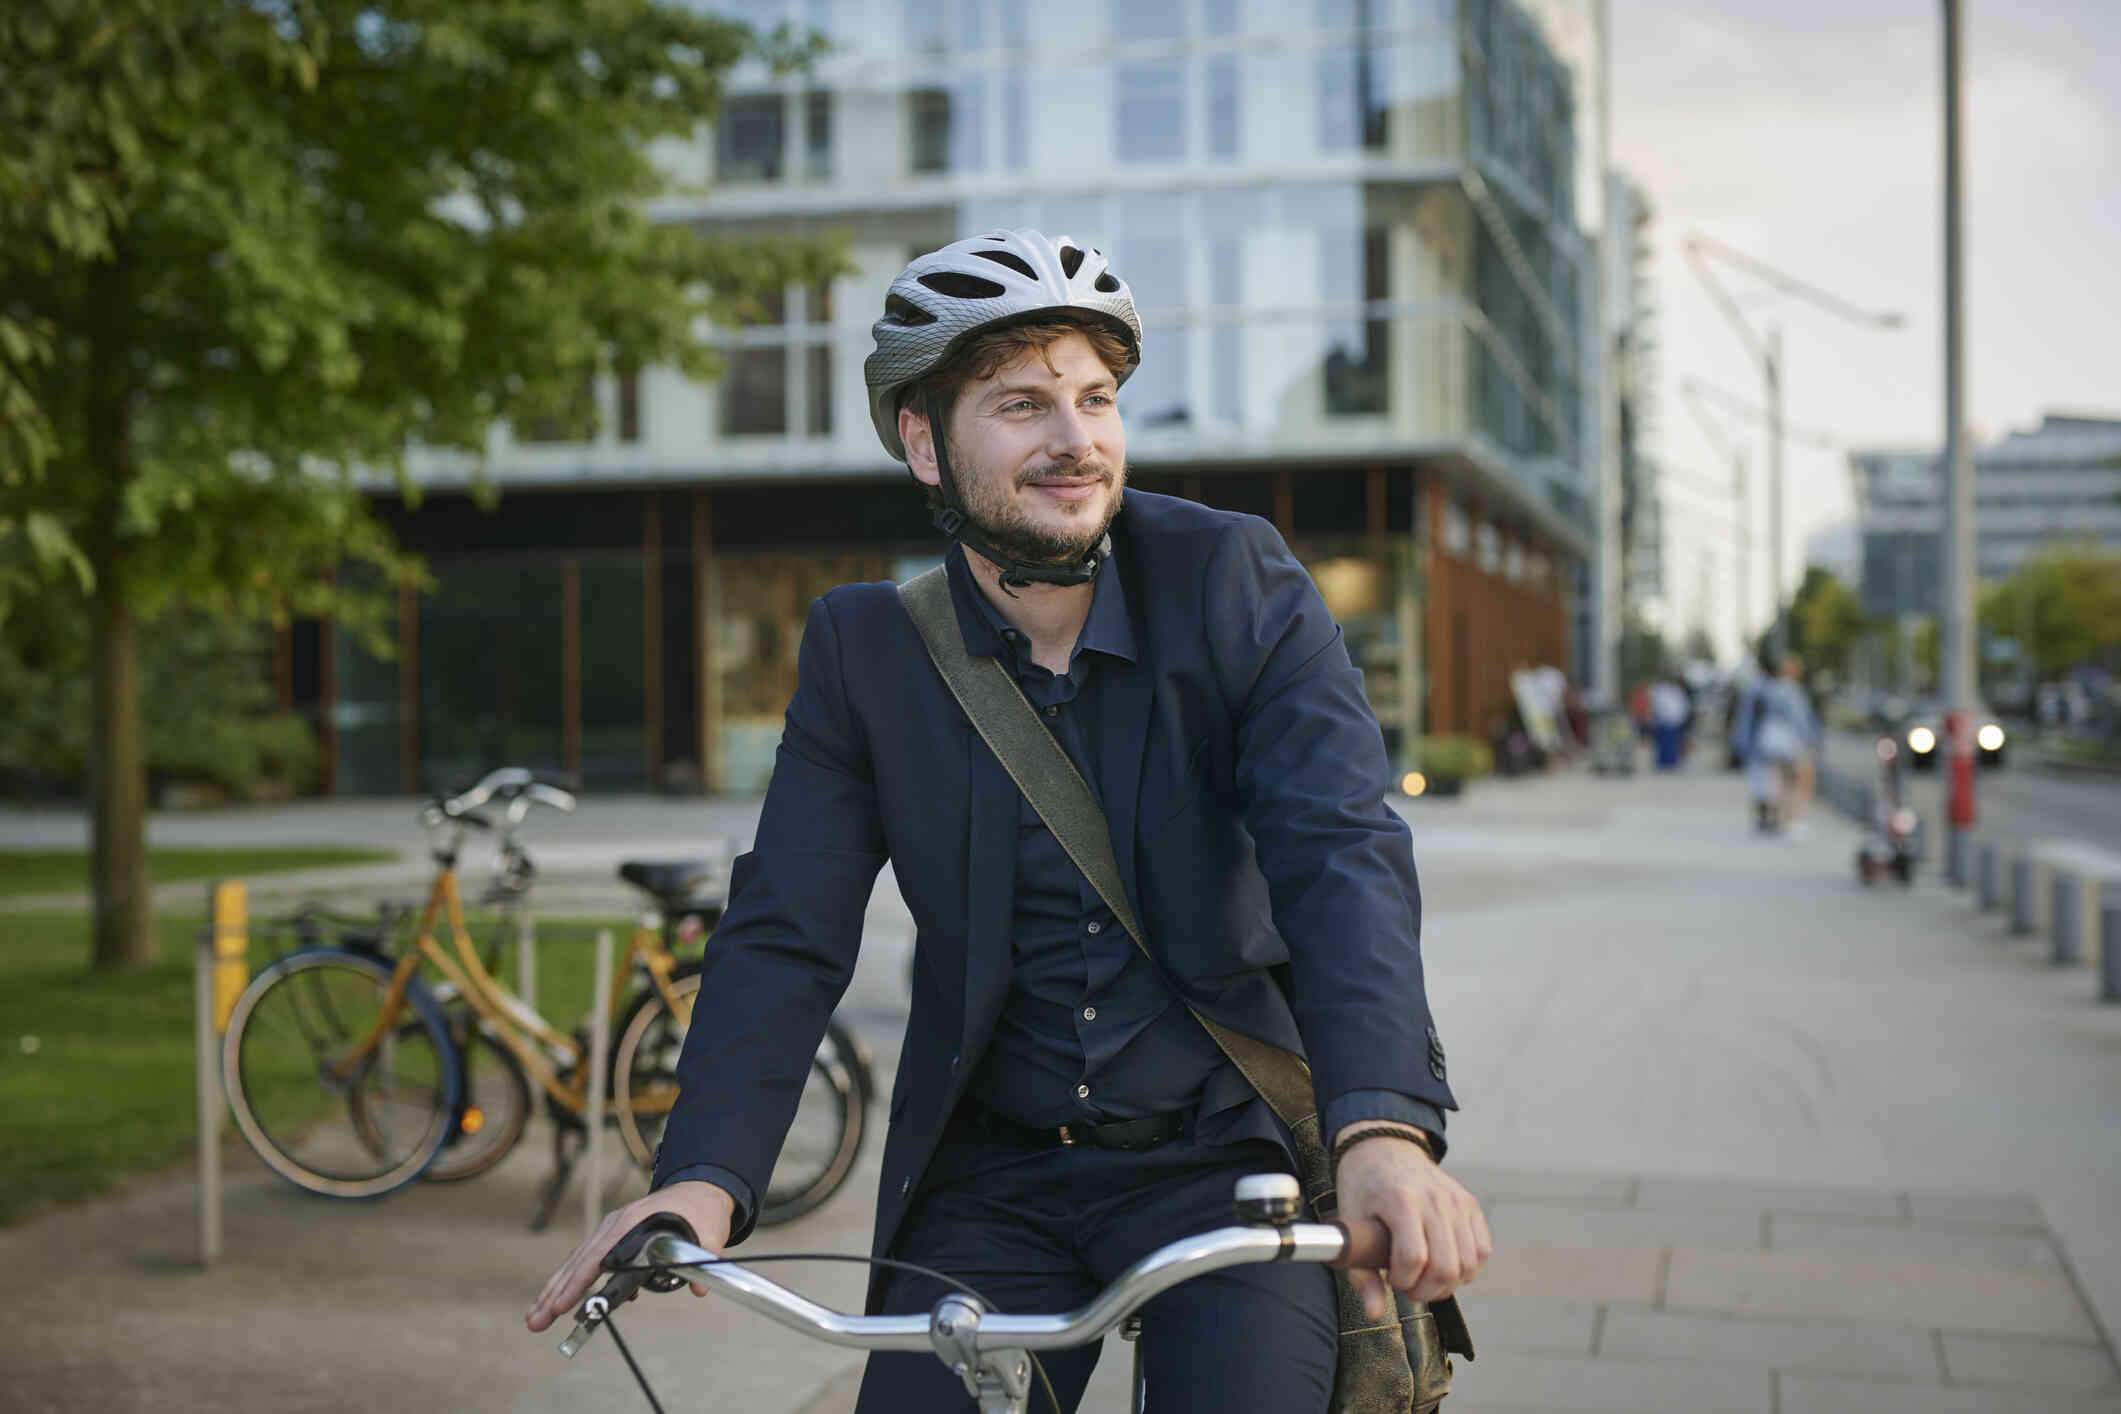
x=755, y=391
x=1151, y=111
x=749, y=138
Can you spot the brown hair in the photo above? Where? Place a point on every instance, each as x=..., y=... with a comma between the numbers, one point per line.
x=989, y=351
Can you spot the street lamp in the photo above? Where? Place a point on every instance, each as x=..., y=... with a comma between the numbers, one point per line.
x=1768, y=350
x=1957, y=628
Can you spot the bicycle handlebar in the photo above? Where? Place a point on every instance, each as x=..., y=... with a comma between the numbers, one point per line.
x=965, y=1325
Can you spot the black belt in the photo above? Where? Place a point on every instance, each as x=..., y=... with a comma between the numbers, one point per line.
x=1119, y=1134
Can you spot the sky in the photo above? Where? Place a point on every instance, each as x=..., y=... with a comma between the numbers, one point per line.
x=1808, y=133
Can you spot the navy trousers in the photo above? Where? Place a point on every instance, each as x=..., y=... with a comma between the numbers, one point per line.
x=1042, y=1230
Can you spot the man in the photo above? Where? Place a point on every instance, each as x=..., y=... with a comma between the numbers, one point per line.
x=1058, y=1110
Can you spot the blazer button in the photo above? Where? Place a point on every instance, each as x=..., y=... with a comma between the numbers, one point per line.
x=954, y=1061
x=905, y=1186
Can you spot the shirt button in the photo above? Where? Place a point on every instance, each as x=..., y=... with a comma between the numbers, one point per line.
x=1082, y=1092
x=1095, y=927
x=1053, y=711
x=1089, y=1013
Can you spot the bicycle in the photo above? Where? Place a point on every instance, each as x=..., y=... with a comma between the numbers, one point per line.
x=347, y=1021
x=994, y=1353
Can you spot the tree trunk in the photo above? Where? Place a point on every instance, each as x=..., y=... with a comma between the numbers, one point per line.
x=125, y=933
x=124, y=917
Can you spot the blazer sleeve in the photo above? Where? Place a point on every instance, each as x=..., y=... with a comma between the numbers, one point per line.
x=785, y=949
x=1310, y=775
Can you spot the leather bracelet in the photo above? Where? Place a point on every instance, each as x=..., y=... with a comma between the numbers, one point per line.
x=1380, y=1131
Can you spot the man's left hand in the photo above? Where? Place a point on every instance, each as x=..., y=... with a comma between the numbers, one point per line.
x=1440, y=1237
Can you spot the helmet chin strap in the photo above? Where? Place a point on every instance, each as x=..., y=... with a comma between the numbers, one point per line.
x=950, y=518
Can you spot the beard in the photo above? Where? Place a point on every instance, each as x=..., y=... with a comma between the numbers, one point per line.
x=1003, y=524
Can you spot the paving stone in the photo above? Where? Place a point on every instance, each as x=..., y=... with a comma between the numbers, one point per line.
x=1716, y=1195
x=1573, y=1273
x=2010, y=1249
x=1566, y=1385
x=1824, y=1347
x=1515, y=1322
x=1977, y=1209
x=1492, y=1185
x=1883, y=1290
x=1826, y=1394
x=2019, y=1360
x=1592, y=1226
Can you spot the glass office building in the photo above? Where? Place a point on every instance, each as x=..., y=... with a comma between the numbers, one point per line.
x=1350, y=228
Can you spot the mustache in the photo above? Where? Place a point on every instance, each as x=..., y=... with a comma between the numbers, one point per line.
x=1077, y=472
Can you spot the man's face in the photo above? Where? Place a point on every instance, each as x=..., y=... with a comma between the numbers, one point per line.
x=1038, y=452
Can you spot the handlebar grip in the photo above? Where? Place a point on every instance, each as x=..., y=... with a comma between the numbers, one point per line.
x=1369, y=1245
x=627, y=1250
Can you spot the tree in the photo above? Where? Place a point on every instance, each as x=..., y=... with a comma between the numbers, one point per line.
x=252, y=250
x=1826, y=622
x=2062, y=606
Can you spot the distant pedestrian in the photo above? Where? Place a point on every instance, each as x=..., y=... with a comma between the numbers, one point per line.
x=1668, y=716
x=1778, y=734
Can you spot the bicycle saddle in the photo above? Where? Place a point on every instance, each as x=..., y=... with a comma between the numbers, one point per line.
x=676, y=884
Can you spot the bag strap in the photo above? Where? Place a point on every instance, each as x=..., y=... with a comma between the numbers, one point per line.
x=1042, y=771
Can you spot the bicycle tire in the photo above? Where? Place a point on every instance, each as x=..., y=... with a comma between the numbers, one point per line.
x=492, y=1113
x=299, y=1016
x=827, y=1133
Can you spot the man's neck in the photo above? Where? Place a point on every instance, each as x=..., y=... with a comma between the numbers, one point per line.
x=1050, y=615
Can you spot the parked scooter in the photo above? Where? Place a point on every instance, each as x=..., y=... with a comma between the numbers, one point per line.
x=1894, y=843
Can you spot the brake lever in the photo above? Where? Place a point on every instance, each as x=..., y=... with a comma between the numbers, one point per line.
x=627, y=1279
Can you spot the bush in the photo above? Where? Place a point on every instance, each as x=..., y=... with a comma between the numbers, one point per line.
x=1465, y=757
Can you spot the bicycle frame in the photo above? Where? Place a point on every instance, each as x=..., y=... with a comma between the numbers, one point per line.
x=510, y=1017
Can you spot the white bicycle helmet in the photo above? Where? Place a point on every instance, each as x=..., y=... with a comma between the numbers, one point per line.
x=948, y=295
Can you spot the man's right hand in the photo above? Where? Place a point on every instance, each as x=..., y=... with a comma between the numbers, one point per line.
x=708, y=1208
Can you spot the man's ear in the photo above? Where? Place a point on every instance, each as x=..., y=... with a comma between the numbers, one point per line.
x=920, y=447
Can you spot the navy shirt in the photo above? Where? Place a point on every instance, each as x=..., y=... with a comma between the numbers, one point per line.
x=1089, y=1033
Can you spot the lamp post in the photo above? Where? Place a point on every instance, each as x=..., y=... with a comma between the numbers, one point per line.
x=1767, y=349
x=1957, y=619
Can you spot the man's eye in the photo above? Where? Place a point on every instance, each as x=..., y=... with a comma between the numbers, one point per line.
x=1019, y=405
x=1099, y=400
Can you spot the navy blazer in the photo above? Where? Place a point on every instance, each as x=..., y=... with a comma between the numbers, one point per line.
x=1243, y=776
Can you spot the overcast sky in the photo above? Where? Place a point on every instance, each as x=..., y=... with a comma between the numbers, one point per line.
x=1809, y=133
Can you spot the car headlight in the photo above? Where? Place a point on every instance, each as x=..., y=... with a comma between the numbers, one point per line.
x=1921, y=741
x=1990, y=736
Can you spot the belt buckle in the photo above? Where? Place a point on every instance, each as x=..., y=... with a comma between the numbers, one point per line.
x=1067, y=1139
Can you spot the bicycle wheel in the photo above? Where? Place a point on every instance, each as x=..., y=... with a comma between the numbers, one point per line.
x=493, y=1111
x=320, y=1116
x=830, y=1123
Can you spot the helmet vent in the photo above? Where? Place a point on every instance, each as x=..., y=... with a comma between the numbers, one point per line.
x=1009, y=258
x=904, y=312
x=956, y=286
x=1071, y=260
x=1106, y=285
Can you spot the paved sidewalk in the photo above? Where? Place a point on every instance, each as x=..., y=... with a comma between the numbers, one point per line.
x=1750, y=1137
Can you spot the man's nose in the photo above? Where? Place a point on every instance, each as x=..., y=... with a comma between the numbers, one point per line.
x=1068, y=439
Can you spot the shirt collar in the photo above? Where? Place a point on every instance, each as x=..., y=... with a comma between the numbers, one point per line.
x=1108, y=629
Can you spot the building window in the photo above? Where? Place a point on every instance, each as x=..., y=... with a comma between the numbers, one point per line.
x=629, y=403
x=575, y=422
x=750, y=137
x=755, y=391
x=1220, y=16
x=1016, y=119
x=1358, y=365
x=818, y=141
x=1351, y=99
x=1222, y=107
x=1152, y=19
x=818, y=361
x=1014, y=31
x=945, y=131
x=1151, y=112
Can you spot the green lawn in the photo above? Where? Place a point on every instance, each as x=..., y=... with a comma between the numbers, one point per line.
x=51, y=871
x=96, y=1068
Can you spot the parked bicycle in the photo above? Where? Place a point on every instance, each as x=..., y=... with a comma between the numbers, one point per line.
x=995, y=1353
x=351, y=1075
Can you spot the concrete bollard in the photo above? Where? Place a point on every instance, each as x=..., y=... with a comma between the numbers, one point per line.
x=2022, y=896
x=2065, y=919
x=2110, y=951
x=1985, y=889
